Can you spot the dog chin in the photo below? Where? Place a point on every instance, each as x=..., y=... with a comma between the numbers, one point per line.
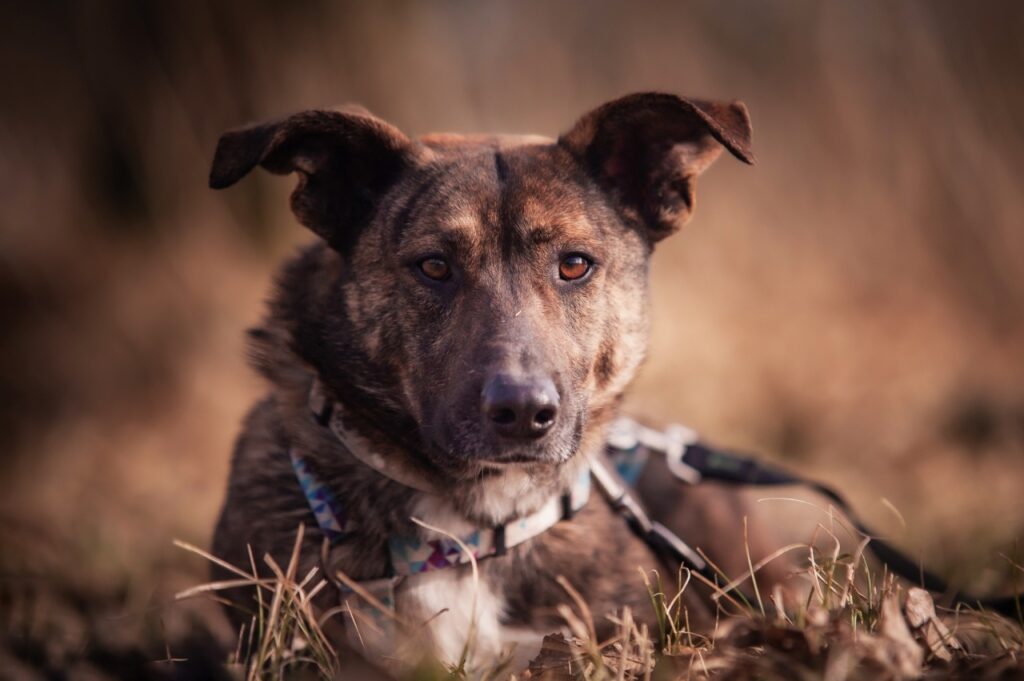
x=466, y=450
x=470, y=458
x=552, y=450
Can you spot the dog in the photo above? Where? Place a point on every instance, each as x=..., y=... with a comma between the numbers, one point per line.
x=452, y=349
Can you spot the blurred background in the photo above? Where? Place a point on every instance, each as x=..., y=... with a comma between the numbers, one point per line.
x=852, y=306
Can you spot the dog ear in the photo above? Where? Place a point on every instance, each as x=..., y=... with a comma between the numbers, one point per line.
x=647, y=149
x=345, y=161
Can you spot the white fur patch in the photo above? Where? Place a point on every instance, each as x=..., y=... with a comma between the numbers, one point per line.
x=456, y=611
x=455, y=623
x=436, y=510
x=445, y=599
x=508, y=495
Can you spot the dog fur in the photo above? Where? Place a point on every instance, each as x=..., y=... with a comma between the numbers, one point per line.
x=407, y=358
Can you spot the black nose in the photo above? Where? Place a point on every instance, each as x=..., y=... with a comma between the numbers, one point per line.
x=520, y=407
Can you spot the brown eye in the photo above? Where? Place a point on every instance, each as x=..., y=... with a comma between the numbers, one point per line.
x=435, y=268
x=574, y=267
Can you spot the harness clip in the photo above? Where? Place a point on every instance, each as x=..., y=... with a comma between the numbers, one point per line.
x=678, y=439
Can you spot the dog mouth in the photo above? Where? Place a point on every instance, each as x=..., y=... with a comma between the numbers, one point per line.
x=496, y=468
x=503, y=458
x=468, y=446
x=499, y=466
x=502, y=461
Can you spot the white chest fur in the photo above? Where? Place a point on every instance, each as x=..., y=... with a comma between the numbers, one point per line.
x=454, y=613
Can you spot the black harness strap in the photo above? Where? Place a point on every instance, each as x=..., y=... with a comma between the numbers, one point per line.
x=662, y=540
x=728, y=467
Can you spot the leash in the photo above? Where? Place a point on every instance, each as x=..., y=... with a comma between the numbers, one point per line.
x=691, y=461
x=662, y=540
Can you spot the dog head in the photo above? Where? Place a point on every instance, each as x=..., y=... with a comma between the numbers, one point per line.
x=488, y=294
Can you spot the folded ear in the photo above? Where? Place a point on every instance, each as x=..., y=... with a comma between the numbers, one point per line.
x=345, y=161
x=647, y=149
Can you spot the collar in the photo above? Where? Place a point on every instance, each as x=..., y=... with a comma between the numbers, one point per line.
x=401, y=469
x=411, y=554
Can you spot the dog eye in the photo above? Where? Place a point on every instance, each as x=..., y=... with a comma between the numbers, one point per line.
x=574, y=266
x=435, y=268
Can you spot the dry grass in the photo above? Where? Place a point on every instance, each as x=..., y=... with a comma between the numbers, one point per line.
x=856, y=622
x=284, y=638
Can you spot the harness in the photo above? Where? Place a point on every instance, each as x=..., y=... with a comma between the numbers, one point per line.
x=692, y=461
x=630, y=448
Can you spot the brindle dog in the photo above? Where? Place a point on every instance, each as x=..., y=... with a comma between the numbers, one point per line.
x=477, y=305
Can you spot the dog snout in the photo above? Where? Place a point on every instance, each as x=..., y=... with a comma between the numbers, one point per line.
x=520, y=407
